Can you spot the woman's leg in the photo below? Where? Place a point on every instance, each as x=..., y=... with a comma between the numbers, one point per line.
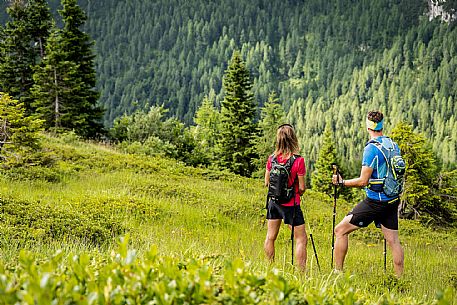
x=272, y=234
x=301, y=240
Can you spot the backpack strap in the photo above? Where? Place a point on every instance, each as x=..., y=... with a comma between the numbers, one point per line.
x=384, y=150
x=289, y=163
x=292, y=160
x=376, y=184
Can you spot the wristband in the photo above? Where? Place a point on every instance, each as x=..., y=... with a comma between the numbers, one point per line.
x=342, y=182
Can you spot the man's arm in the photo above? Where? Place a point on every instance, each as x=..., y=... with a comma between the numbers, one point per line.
x=361, y=181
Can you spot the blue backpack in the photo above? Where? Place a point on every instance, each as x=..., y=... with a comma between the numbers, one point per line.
x=393, y=183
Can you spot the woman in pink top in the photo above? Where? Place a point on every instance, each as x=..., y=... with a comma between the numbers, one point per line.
x=286, y=148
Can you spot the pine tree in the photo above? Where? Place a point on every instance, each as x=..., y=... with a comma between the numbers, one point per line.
x=272, y=115
x=17, y=56
x=28, y=28
x=58, y=90
x=322, y=174
x=237, y=116
x=40, y=21
x=19, y=134
x=207, y=129
x=421, y=169
x=77, y=47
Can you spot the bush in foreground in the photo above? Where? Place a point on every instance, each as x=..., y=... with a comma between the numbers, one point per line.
x=124, y=278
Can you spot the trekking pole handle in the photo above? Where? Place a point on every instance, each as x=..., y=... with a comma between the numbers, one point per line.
x=336, y=172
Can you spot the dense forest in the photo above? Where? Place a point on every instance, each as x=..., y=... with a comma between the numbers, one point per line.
x=133, y=129
x=328, y=62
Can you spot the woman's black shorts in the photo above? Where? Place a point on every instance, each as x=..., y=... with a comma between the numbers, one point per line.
x=381, y=212
x=277, y=211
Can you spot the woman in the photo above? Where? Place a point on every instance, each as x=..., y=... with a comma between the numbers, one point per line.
x=287, y=155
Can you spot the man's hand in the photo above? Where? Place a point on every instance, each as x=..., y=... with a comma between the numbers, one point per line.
x=361, y=181
x=337, y=179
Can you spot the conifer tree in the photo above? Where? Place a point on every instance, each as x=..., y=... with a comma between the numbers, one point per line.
x=272, y=115
x=322, y=174
x=40, y=21
x=58, y=90
x=421, y=170
x=237, y=119
x=19, y=134
x=21, y=46
x=77, y=47
x=207, y=129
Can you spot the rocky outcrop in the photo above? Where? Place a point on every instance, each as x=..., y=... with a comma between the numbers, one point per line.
x=436, y=10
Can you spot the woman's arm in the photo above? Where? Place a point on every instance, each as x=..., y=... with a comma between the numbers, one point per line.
x=301, y=185
x=267, y=178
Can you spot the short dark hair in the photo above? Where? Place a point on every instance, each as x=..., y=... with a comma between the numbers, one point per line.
x=375, y=116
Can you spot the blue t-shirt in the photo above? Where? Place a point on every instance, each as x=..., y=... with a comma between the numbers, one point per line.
x=373, y=157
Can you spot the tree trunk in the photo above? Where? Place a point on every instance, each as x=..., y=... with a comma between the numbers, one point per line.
x=40, y=40
x=56, y=101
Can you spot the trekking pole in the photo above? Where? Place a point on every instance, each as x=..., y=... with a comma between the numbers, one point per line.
x=312, y=242
x=315, y=252
x=292, y=234
x=335, y=172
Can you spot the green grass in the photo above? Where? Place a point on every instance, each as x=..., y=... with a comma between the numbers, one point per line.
x=89, y=195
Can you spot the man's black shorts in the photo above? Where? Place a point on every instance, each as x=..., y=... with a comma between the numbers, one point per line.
x=381, y=212
x=277, y=211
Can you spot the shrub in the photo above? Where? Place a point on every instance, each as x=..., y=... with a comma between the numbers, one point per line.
x=29, y=221
x=126, y=278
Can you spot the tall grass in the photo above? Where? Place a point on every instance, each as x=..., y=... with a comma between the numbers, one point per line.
x=198, y=213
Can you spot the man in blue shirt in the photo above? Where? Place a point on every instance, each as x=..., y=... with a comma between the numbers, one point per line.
x=377, y=206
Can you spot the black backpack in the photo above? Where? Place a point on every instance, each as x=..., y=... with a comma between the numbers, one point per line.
x=278, y=190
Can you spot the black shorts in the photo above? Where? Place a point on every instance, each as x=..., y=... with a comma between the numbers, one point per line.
x=277, y=211
x=381, y=212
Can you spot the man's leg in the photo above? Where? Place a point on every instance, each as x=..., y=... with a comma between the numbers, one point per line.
x=301, y=240
x=393, y=240
x=342, y=231
x=272, y=234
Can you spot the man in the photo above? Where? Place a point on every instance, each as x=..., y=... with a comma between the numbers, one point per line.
x=377, y=206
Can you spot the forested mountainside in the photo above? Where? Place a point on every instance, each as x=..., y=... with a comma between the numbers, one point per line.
x=329, y=62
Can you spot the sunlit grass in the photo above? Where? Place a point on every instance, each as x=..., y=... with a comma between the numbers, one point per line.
x=190, y=213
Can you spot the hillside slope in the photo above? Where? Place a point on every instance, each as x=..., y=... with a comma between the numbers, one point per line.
x=329, y=62
x=88, y=195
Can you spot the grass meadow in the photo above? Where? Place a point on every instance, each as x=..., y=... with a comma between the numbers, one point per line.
x=61, y=226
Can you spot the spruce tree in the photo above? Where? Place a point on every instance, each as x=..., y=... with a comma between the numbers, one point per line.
x=237, y=119
x=21, y=47
x=77, y=47
x=207, y=120
x=19, y=134
x=58, y=90
x=40, y=22
x=421, y=170
x=321, y=177
x=272, y=115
